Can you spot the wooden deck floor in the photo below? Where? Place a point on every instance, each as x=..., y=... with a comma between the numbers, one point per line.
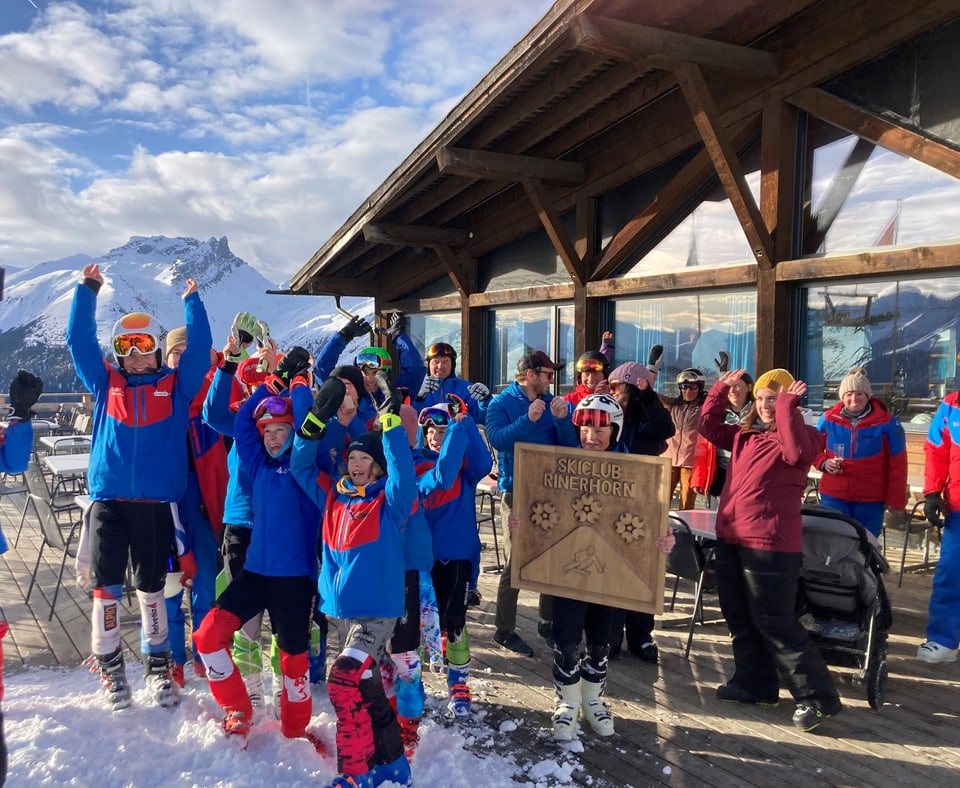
x=670, y=728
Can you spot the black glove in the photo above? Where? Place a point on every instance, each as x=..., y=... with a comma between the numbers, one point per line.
x=295, y=363
x=326, y=403
x=655, y=359
x=397, y=326
x=723, y=363
x=391, y=397
x=933, y=508
x=25, y=390
x=455, y=405
x=355, y=327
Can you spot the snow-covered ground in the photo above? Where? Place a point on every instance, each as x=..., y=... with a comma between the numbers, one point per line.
x=60, y=733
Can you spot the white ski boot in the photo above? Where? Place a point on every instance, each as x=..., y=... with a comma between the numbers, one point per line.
x=565, y=711
x=594, y=708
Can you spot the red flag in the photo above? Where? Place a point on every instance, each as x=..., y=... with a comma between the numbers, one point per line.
x=888, y=235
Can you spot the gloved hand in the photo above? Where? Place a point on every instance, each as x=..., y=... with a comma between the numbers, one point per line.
x=655, y=359
x=455, y=405
x=355, y=327
x=25, y=390
x=188, y=568
x=934, y=509
x=326, y=403
x=243, y=330
x=479, y=392
x=263, y=340
x=397, y=326
x=607, y=339
x=430, y=385
x=391, y=397
x=296, y=363
x=723, y=363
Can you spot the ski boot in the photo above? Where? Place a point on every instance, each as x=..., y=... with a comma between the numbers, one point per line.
x=113, y=680
x=396, y=772
x=565, y=711
x=459, y=704
x=594, y=708
x=158, y=678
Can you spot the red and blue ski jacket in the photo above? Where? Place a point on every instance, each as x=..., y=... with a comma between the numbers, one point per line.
x=138, y=450
x=447, y=481
x=362, y=570
x=941, y=471
x=874, y=456
x=286, y=522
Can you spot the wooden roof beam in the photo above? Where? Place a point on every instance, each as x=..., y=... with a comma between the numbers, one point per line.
x=550, y=219
x=414, y=235
x=663, y=49
x=717, y=142
x=863, y=123
x=340, y=285
x=508, y=167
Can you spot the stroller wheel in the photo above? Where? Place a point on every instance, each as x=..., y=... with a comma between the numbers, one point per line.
x=876, y=681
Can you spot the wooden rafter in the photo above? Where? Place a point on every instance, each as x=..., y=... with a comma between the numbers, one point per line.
x=340, y=285
x=717, y=142
x=559, y=237
x=663, y=49
x=866, y=124
x=414, y=235
x=945, y=257
x=666, y=202
x=462, y=276
x=508, y=167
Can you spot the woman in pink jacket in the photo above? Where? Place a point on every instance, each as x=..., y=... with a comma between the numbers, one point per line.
x=759, y=547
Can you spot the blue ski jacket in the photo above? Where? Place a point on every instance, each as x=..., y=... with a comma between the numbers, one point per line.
x=286, y=523
x=508, y=423
x=362, y=570
x=139, y=448
x=447, y=481
x=16, y=445
x=218, y=413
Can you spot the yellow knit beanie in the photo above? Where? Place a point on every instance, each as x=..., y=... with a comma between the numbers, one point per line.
x=774, y=380
x=856, y=380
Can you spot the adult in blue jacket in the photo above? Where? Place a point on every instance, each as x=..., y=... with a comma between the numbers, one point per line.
x=524, y=412
x=138, y=472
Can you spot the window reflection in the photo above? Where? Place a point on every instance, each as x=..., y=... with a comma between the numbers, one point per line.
x=424, y=330
x=693, y=329
x=904, y=332
x=513, y=331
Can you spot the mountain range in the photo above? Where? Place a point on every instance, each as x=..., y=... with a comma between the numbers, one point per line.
x=149, y=275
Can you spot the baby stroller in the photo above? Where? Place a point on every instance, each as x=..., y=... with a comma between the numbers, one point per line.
x=842, y=600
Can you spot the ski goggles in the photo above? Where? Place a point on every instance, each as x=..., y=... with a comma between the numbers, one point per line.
x=590, y=365
x=125, y=344
x=591, y=418
x=435, y=417
x=273, y=408
x=440, y=349
x=371, y=361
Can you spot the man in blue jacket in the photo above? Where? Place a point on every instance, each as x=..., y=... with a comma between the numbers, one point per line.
x=524, y=412
x=138, y=472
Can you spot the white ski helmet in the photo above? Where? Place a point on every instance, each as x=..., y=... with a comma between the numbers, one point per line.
x=599, y=410
x=137, y=332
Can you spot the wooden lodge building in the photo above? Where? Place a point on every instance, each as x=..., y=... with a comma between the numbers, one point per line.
x=776, y=179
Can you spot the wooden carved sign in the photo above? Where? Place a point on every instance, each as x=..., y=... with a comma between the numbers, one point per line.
x=589, y=522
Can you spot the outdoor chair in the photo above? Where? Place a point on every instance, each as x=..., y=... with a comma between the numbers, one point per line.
x=52, y=533
x=690, y=559
x=36, y=485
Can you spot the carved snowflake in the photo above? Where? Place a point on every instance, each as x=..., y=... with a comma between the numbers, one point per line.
x=586, y=509
x=544, y=515
x=630, y=527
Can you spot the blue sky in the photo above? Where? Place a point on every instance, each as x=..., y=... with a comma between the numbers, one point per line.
x=267, y=122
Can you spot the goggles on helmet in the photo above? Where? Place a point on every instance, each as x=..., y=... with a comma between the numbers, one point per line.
x=441, y=349
x=585, y=417
x=125, y=344
x=434, y=416
x=370, y=359
x=589, y=365
x=274, y=409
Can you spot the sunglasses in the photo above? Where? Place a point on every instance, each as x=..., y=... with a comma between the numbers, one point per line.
x=440, y=349
x=687, y=386
x=591, y=418
x=125, y=344
x=590, y=365
x=435, y=417
x=548, y=372
x=369, y=361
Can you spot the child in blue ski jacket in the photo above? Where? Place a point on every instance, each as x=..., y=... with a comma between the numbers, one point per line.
x=459, y=459
x=280, y=569
x=362, y=575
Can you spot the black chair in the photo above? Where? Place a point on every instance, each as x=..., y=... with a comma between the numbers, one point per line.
x=922, y=527
x=53, y=537
x=691, y=559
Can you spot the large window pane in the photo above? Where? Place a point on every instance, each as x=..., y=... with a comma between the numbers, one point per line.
x=424, y=330
x=693, y=329
x=904, y=332
x=513, y=331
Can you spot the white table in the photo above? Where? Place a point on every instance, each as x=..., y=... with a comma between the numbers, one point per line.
x=76, y=444
x=702, y=522
x=67, y=464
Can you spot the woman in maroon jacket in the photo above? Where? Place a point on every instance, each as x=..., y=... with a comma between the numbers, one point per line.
x=759, y=547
